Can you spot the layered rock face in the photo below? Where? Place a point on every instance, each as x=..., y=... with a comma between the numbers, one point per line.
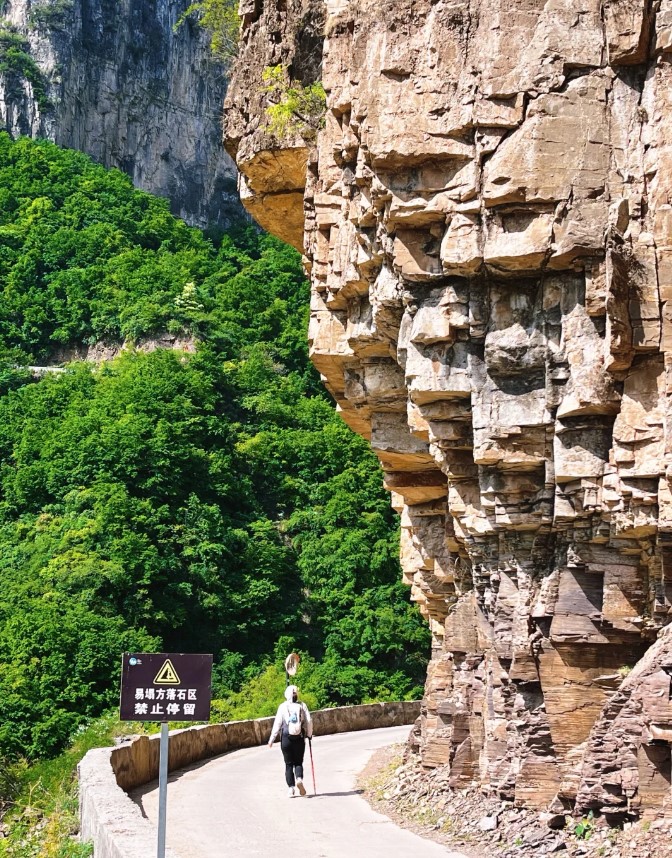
x=113, y=79
x=487, y=226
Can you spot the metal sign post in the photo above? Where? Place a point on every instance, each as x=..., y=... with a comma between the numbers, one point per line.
x=163, y=790
x=165, y=686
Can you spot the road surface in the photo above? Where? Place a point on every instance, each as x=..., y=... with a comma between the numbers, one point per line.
x=237, y=805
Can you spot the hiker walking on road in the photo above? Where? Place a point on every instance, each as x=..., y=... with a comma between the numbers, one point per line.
x=294, y=724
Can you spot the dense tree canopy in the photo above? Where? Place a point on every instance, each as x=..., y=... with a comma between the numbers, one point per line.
x=209, y=500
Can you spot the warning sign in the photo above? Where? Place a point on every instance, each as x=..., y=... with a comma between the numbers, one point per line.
x=165, y=686
x=167, y=675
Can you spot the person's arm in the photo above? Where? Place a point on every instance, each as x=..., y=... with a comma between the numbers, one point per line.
x=309, y=722
x=277, y=726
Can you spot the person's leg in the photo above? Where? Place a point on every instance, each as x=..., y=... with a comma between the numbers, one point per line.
x=299, y=751
x=288, y=756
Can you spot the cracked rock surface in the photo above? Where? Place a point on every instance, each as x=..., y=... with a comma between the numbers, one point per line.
x=487, y=224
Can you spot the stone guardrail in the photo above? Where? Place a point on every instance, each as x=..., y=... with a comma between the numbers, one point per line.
x=115, y=824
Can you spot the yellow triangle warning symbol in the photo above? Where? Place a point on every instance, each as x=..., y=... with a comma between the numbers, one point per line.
x=167, y=675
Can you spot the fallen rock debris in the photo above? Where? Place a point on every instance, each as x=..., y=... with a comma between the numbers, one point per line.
x=419, y=799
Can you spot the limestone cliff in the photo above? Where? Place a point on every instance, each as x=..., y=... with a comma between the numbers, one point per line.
x=113, y=79
x=487, y=223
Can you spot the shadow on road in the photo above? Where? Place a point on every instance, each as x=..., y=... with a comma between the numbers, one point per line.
x=336, y=794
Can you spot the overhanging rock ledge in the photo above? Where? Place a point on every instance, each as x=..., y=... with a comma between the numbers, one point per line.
x=487, y=224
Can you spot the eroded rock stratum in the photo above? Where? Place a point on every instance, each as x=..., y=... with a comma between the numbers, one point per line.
x=487, y=224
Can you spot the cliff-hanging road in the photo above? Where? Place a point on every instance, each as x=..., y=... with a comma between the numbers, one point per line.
x=237, y=805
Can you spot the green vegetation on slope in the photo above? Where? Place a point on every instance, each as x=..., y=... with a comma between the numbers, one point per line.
x=44, y=814
x=85, y=258
x=211, y=501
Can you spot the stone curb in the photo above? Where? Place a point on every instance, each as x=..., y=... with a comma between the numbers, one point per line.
x=114, y=823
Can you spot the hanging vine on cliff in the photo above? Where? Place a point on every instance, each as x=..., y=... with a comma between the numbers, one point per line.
x=17, y=66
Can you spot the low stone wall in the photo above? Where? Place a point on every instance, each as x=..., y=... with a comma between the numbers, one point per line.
x=115, y=824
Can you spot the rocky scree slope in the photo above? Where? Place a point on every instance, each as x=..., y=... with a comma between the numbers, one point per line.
x=487, y=225
x=113, y=79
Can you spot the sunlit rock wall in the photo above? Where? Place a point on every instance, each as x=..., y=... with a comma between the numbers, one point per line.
x=115, y=79
x=487, y=223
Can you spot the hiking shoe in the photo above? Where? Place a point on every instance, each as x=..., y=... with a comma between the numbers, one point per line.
x=301, y=788
x=290, y=793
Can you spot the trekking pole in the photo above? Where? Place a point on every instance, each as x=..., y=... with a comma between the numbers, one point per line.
x=312, y=764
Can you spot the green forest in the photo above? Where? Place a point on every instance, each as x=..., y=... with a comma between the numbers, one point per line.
x=203, y=500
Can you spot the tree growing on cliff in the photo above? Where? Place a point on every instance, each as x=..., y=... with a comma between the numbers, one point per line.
x=293, y=108
x=220, y=19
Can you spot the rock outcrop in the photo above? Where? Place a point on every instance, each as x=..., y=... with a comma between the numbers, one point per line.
x=487, y=224
x=114, y=79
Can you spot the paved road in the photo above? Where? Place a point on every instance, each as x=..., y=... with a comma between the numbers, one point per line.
x=237, y=805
